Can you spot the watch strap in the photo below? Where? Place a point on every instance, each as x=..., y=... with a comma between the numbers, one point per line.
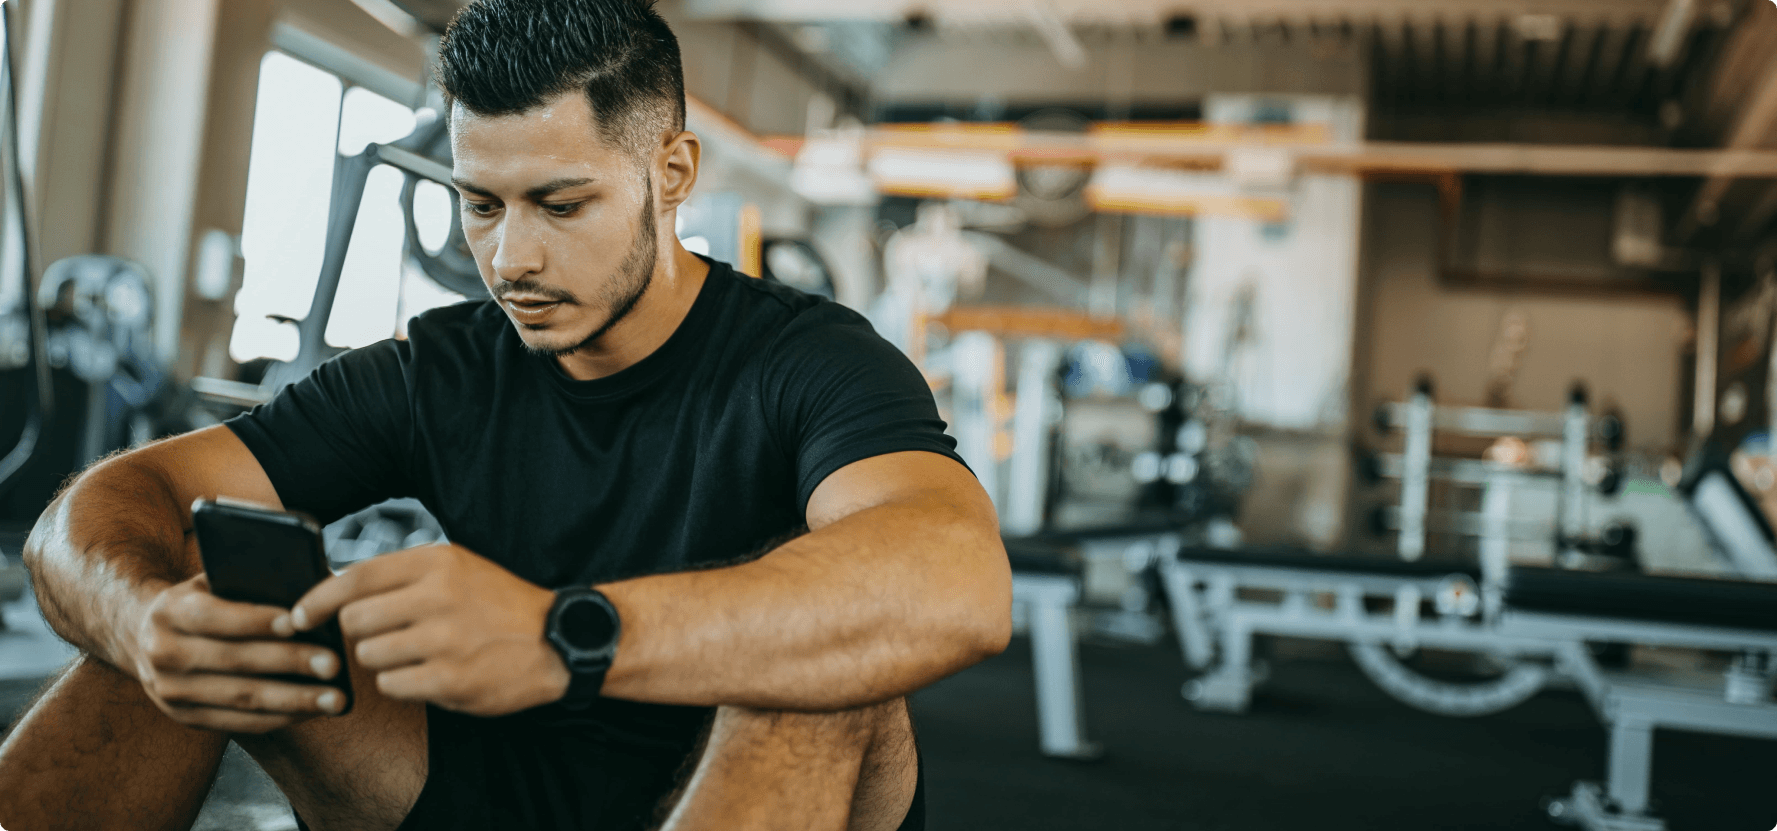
x=586, y=663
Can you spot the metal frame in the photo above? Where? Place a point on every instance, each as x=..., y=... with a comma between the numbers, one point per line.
x=1415, y=467
x=1049, y=600
x=1216, y=625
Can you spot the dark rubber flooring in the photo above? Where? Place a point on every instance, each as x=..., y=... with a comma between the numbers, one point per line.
x=1321, y=749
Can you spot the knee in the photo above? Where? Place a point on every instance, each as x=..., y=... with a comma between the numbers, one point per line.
x=861, y=724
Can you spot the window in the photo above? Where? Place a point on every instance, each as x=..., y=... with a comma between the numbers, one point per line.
x=303, y=118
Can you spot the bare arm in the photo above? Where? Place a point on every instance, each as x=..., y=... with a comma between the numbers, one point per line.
x=902, y=580
x=115, y=568
x=120, y=534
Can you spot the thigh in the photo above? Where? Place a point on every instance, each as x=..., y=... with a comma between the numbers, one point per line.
x=362, y=770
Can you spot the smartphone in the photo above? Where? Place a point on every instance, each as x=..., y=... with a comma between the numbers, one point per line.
x=256, y=554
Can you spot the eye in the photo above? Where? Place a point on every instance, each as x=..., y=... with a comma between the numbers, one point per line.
x=479, y=208
x=562, y=208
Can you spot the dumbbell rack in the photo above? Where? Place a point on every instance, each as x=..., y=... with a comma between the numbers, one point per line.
x=1418, y=418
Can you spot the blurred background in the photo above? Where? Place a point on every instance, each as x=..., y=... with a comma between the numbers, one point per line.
x=1377, y=395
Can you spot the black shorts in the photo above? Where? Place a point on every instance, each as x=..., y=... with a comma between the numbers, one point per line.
x=513, y=772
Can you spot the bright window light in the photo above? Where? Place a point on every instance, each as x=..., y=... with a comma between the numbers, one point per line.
x=431, y=215
x=420, y=294
x=289, y=182
x=364, y=308
x=367, y=118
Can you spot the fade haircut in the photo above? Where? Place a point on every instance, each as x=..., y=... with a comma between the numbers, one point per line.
x=504, y=57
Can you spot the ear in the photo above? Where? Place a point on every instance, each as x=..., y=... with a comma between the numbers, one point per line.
x=678, y=158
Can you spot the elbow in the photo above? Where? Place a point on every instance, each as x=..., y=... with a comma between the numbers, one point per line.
x=993, y=635
x=36, y=546
x=987, y=610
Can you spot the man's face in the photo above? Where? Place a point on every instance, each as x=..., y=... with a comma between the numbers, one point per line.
x=561, y=223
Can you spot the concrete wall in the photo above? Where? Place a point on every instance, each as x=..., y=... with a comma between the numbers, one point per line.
x=1626, y=348
x=730, y=69
x=934, y=68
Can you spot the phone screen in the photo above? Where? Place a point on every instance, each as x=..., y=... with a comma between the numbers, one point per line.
x=254, y=554
x=253, y=560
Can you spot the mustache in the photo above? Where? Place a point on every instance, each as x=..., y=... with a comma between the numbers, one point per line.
x=503, y=288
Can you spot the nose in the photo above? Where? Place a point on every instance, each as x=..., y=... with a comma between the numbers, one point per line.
x=518, y=251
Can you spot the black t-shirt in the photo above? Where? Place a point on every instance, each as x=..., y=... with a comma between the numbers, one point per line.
x=700, y=453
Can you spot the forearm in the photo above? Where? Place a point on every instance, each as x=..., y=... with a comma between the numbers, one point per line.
x=871, y=607
x=102, y=550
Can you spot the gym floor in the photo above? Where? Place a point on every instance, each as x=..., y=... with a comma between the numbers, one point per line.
x=1321, y=748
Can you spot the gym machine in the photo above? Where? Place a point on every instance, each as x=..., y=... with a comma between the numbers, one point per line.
x=1574, y=427
x=1520, y=628
x=27, y=398
x=397, y=523
x=1164, y=474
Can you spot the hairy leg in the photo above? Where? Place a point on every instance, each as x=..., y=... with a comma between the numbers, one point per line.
x=765, y=769
x=362, y=771
x=94, y=753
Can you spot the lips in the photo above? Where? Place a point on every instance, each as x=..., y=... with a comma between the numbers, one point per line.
x=530, y=310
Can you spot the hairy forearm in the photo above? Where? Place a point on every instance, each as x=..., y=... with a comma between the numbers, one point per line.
x=102, y=549
x=871, y=607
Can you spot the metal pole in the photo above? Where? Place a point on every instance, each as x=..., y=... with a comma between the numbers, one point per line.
x=1708, y=338
x=1416, y=473
x=1028, y=472
x=1571, y=523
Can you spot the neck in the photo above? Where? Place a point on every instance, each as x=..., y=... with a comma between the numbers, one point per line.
x=678, y=277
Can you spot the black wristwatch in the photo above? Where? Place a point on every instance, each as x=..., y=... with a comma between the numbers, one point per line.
x=583, y=627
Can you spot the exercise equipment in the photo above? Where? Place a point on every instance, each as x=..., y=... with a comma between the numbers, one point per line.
x=1519, y=628
x=99, y=311
x=1576, y=429
x=396, y=523
x=1052, y=576
x=28, y=392
x=21, y=320
x=350, y=174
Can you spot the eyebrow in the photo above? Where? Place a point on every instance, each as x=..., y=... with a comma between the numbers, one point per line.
x=535, y=193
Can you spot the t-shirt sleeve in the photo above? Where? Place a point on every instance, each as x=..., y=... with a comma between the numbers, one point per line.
x=837, y=393
x=339, y=440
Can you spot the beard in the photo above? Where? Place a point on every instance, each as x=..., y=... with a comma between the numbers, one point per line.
x=634, y=275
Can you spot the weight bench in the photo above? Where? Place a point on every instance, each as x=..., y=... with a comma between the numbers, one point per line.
x=1724, y=615
x=1328, y=597
x=1049, y=572
x=1045, y=590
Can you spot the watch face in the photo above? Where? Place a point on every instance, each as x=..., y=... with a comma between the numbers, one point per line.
x=587, y=624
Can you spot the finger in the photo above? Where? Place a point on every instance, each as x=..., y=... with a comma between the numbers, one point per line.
x=370, y=577
x=400, y=648
x=383, y=613
x=238, y=692
x=202, y=613
x=420, y=682
x=192, y=655
x=230, y=721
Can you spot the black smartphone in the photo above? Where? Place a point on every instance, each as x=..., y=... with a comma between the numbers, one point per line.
x=256, y=554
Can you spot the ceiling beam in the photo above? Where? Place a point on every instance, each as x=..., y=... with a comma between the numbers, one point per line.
x=1753, y=124
x=1204, y=147
x=1079, y=11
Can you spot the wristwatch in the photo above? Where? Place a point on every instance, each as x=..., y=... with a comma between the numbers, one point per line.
x=583, y=628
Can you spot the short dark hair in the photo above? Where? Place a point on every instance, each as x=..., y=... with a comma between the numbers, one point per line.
x=502, y=57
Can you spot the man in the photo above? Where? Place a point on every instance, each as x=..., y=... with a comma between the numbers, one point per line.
x=603, y=441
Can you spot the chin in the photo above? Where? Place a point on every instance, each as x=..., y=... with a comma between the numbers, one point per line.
x=546, y=340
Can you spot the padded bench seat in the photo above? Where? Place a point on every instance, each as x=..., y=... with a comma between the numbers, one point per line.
x=1731, y=603
x=1040, y=557
x=1310, y=561
x=1058, y=552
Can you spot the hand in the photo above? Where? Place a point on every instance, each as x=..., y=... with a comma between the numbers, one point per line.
x=196, y=655
x=442, y=624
